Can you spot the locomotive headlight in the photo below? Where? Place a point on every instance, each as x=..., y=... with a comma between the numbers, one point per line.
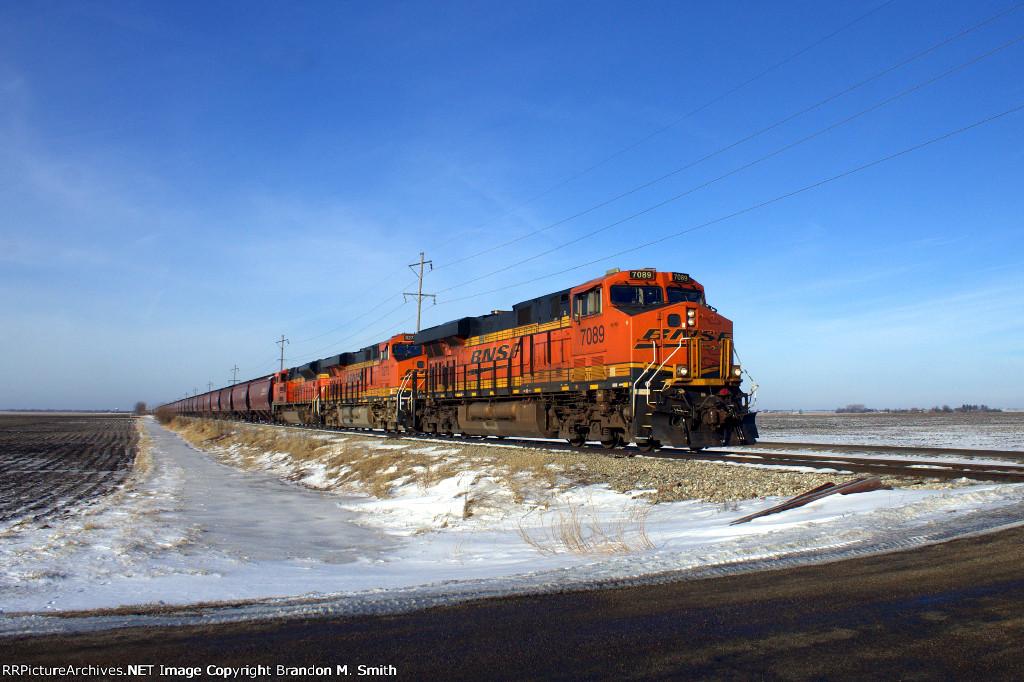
x=691, y=317
x=682, y=371
x=737, y=371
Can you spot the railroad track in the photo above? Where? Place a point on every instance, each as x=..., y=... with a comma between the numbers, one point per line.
x=904, y=461
x=893, y=449
x=913, y=468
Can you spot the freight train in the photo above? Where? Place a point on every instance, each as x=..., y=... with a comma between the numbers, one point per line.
x=634, y=356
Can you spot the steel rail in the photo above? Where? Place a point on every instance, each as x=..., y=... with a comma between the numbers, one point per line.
x=907, y=468
x=893, y=467
x=896, y=449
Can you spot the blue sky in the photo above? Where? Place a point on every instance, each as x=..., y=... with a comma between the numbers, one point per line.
x=183, y=183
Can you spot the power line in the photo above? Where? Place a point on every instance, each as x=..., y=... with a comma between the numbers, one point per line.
x=346, y=324
x=732, y=172
x=419, y=296
x=282, y=343
x=721, y=218
x=734, y=144
x=745, y=210
x=606, y=160
x=595, y=166
x=667, y=127
x=380, y=280
x=648, y=184
x=706, y=224
x=356, y=333
x=270, y=363
x=620, y=152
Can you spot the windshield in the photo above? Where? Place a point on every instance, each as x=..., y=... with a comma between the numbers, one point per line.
x=624, y=294
x=405, y=350
x=681, y=295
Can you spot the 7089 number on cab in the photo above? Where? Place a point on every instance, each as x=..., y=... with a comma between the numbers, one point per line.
x=593, y=335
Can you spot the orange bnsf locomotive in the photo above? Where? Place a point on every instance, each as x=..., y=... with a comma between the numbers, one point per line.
x=633, y=356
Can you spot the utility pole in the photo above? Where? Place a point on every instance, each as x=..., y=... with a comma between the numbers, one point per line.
x=419, y=294
x=281, y=343
x=234, y=375
x=210, y=384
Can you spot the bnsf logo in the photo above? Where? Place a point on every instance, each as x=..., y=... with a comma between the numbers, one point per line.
x=673, y=334
x=503, y=352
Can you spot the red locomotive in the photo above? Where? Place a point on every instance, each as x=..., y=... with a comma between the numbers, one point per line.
x=633, y=356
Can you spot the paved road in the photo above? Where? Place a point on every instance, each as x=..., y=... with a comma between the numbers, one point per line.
x=948, y=611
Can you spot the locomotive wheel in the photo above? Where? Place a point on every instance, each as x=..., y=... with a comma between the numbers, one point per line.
x=614, y=442
x=577, y=441
x=647, y=445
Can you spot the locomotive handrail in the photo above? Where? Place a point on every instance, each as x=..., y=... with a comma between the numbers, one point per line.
x=401, y=388
x=409, y=374
x=632, y=395
x=665, y=362
x=654, y=346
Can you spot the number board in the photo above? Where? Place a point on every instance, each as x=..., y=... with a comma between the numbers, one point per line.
x=641, y=274
x=680, y=277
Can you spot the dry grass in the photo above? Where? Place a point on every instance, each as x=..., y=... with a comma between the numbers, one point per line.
x=492, y=479
x=577, y=530
x=209, y=434
x=366, y=465
x=143, y=466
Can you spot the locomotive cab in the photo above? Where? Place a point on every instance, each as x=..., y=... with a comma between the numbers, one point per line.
x=656, y=330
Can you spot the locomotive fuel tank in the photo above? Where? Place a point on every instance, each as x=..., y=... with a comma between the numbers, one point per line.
x=525, y=419
x=359, y=417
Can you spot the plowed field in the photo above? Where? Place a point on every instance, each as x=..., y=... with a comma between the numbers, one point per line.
x=51, y=463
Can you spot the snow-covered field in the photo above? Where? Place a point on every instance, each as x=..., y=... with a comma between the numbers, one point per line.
x=972, y=430
x=190, y=530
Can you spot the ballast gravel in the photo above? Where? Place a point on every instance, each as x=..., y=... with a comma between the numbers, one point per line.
x=649, y=477
x=668, y=480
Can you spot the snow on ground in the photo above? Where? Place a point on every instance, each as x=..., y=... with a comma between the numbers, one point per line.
x=976, y=430
x=193, y=530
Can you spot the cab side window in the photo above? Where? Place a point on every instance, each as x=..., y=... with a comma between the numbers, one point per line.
x=587, y=303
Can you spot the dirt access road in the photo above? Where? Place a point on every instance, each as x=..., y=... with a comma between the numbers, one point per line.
x=954, y=610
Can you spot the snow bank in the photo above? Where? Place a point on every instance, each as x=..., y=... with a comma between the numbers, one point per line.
x=197, y=530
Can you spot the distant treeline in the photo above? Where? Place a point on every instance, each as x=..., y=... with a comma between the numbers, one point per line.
x=860, y=409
